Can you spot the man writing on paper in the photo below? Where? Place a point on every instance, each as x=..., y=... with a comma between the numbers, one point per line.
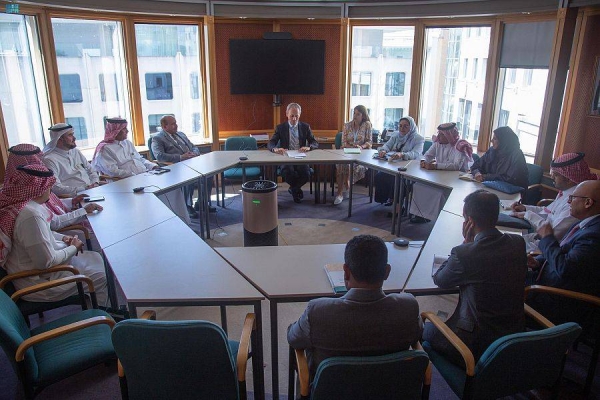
x=489, y=269
x=28, y=243
x=115, y=156
x=171, y=145
x=365, y=321
x=293, y=135
x=571, y=263
x=72, y=171
x=567, y=171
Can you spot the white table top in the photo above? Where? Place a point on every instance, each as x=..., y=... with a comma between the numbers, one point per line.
x=298, y=271
x=169, y=263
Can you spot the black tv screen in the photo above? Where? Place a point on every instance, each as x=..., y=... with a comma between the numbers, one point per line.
x=277, y=66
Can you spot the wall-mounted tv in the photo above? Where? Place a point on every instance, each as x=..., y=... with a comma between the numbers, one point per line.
x=277, y=66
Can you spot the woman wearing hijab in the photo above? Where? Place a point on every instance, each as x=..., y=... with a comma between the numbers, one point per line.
x=356, y=133
x=448, y=152
x=504, y=161
x=407, y=144
x=64, y=212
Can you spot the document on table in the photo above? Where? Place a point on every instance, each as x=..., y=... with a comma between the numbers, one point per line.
x=335, y=273
x=437, y=263
x=351, y=150
x=295, y=154
x=467, y=177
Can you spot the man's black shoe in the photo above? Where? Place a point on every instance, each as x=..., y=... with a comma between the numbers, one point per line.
x=196, y=206
x=118, y=315
x=416, y=219
x=212, y=209
x=300, y=193
x=193, y=214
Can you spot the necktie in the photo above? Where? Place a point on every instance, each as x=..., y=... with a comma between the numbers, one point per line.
x=294, y=141
x=569, y=235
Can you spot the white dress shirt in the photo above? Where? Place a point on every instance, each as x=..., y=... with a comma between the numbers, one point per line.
x=447, y=157
x=120, y=159
x=558, y=214
x=72, y=171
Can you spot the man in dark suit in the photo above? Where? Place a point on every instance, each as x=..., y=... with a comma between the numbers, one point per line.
x=489, y=269
x=171, y=145
x=364, y=321
x=571, y=263
x=293, y=135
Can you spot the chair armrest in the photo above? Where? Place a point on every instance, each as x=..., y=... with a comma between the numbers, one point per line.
x=588, y=298
x=76, y=227
x=302, y=368
x=57, y=282
x=537, y=317
x=63, y=330
x=544, y=202
x=458, y=344
x=243, y=351
x=33, y=272
x=427, y=380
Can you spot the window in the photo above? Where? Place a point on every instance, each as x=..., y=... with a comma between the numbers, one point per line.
x=512, y=76
x=477, y=122
x=481, y=75
x=394, y=83
x=527, y=77
x=194, y=91
x=177, y=84
x=159, y=86
x=444, y=97
x=361, y=84
x=78, y=124
x=196, y=123
x=110, y=93
x=90, y=54
x=70, y=87
x=465, y=68
x=503, y=118
x=26, y=111
x=378, y=54
x=392, y=118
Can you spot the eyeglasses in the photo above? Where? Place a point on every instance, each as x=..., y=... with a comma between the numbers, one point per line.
x=571, y=197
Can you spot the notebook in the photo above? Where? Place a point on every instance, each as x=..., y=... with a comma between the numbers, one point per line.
x=335, y=274
x=351, y=150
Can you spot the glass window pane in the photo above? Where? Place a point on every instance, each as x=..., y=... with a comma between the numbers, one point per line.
x=26, y=110
x=521, y=93
x=169, y=70
x=447, y=95
x=381, y=72
x=92, y=52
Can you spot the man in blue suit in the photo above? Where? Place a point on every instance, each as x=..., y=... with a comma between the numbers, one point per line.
x=571, y=263
x=293, y=135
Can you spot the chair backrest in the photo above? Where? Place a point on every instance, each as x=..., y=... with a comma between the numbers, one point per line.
x=241, y=143
x=150, y=148
x=534, y=174
x=523, y=361
x=175, y=359
x=427, y=145
x=391, y=376
x=13, y=331
x=475, y=157
x=338, y=140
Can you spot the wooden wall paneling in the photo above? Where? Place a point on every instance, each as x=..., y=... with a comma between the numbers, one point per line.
x=320, y=111
x=344, y=92
x=555, y=88
x=238, y=113
x=3, y=145
x=211, y=106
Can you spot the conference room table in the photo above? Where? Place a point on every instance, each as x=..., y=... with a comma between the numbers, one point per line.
x=288, y=274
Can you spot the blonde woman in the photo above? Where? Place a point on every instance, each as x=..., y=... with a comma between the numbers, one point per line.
x=356, y=133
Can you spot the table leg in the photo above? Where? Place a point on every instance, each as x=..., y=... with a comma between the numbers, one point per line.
x=110, y=285
x=200, y=208
x=257, y=355
x=371, y=181
x=204, y=206
x=291, y=373
x=132, y=310
x=397, y=183
x=224, y=318
x=350, y=190
x=401, y=195
x=274, y=351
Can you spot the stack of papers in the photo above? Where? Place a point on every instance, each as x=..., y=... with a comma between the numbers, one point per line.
x=295, y=154
x=335, y=273
x=467, y=177
x=351, y=150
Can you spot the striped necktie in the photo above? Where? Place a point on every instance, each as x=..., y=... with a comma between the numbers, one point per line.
x=294, y=140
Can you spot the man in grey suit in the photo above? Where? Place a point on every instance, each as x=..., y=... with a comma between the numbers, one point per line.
x=171, y=145
x=365, y=321
x=489, y=269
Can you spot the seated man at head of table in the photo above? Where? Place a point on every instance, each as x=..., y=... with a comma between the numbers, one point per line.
x=448, y=152
x=294, y=135
x=571, y=263
x=72, y=171
x=115, y=156
x=28, y=243
x=365, y=321
x=489, y=269
x=171, y=145
x=567, y=171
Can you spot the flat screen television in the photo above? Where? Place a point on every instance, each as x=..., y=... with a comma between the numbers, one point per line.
x=277, y=66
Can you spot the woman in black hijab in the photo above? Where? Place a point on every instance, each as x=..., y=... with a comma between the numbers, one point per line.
x=504, y=161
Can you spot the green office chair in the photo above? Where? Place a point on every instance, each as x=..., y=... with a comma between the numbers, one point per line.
x=182, y=359
x=56, y=350
x=534, y=179
x=402, y=375
x=512, y=364
x=239, y=143
x=427, y=145
x=28, y=308
x=338, y=140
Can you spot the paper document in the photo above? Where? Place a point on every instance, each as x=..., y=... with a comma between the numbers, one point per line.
x=351, y=150
x=437, y=263
x=295, y=154
x=506, y=204
x=467, y=177
x=335, y=273
x=260, y=136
